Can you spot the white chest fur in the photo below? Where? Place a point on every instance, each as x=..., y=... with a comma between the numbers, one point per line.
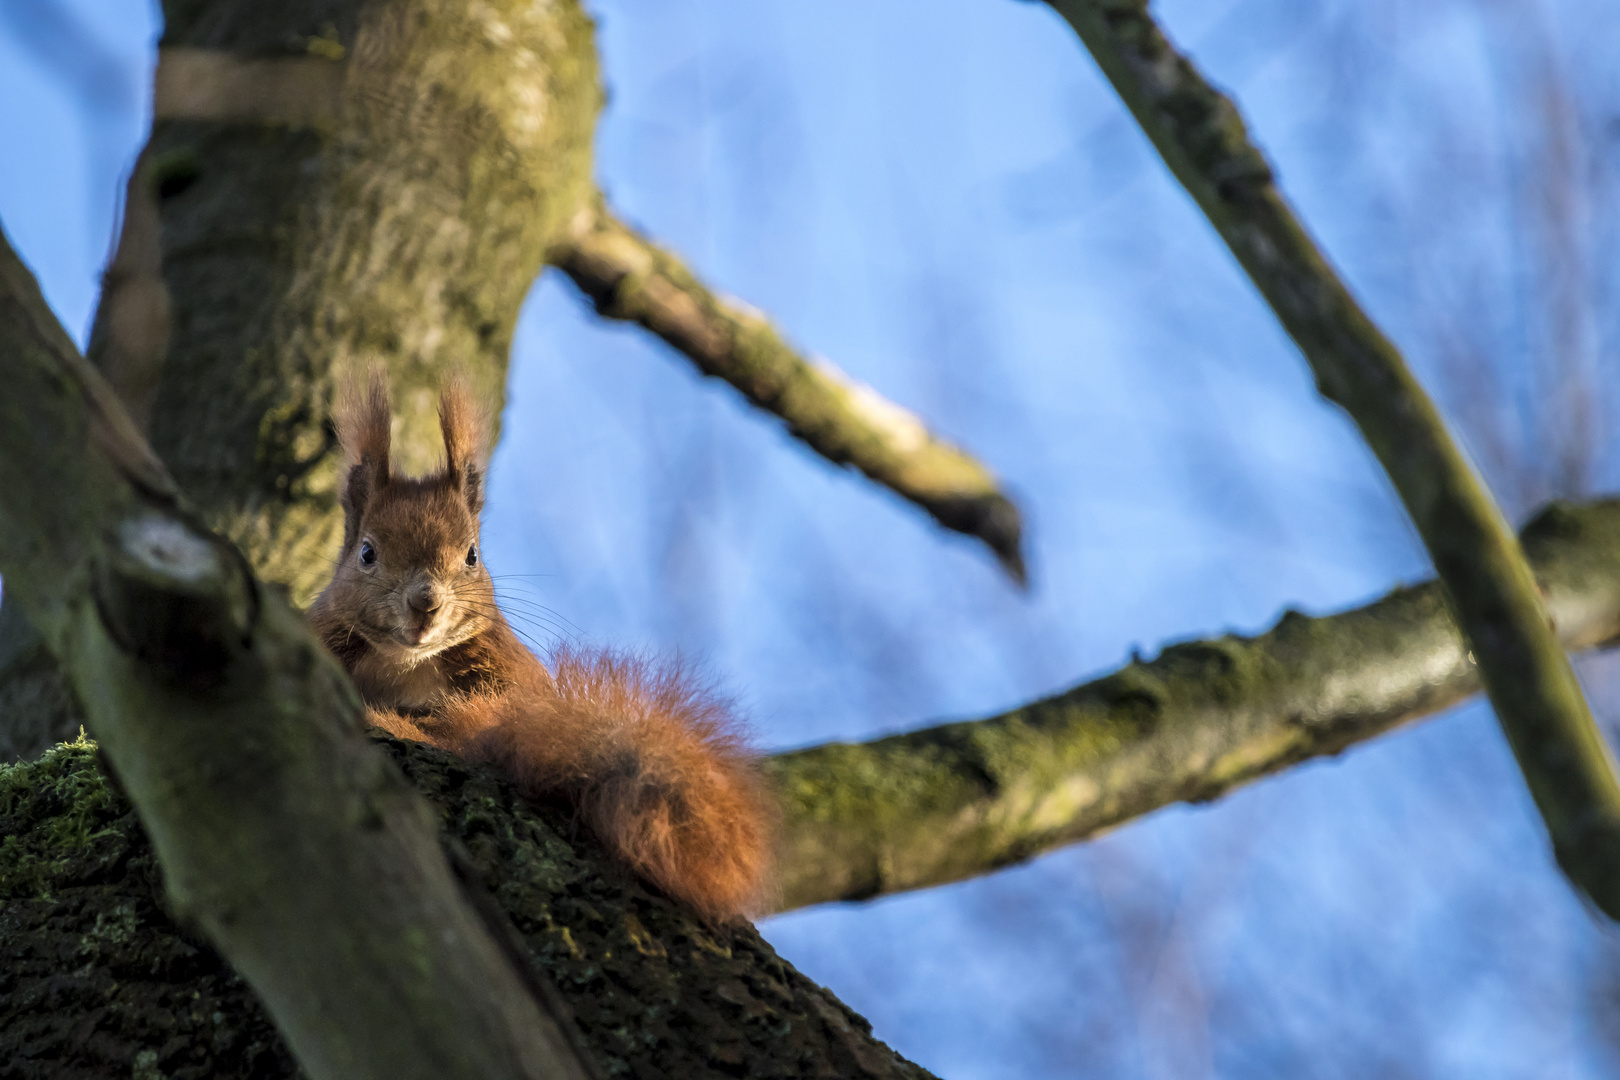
x=387, y=682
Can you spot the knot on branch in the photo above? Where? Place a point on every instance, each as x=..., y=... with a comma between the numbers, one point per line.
x=175, y=597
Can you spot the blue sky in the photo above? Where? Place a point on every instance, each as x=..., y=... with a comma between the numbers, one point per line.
x=948, y=202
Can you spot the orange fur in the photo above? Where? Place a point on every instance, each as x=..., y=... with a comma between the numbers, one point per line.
x=363, y=419
x=652, y=762
x=463, y=426
x=655, y=766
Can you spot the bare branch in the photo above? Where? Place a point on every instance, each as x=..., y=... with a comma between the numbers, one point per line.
x=1201, y=137
x=131, y=333
x=630, y=278
x=963, y=799
x=299, y=852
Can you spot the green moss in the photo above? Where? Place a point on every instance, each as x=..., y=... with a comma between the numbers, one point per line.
x=949, y=802
x=95, y=978
x=62, y=803
x=85, y=947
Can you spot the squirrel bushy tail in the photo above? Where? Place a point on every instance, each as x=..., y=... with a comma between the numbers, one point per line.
x=649, y=759
x=654, y=768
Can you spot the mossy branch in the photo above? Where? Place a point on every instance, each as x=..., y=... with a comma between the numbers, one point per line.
x=1201, y=136
x=628, y=277
x=959, y=800
x=290, y=842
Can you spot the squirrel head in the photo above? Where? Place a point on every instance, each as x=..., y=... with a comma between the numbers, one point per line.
x=411, y=579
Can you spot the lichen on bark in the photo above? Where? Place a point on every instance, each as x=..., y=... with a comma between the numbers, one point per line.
x=97, y=980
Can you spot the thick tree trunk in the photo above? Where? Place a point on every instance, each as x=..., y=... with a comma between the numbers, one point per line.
x=97, y=980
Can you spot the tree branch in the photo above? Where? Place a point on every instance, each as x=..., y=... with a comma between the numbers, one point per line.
x=630, y=278
x=1201, y=136
x=300, y=853
x=955, y=801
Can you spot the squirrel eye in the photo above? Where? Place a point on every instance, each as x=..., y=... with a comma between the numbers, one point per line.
x=368, y=554
x=472, y=555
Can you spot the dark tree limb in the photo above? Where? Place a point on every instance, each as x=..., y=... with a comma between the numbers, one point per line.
x=1532, y=687
x=654, y=992
x=127, y=346
x=294, y=847
x=964, y=799
x=629, y=277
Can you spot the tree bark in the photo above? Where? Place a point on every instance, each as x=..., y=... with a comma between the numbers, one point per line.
x=96, y=977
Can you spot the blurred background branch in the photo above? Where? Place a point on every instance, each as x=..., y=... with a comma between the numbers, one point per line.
x=1532, y=687
x=847, y=422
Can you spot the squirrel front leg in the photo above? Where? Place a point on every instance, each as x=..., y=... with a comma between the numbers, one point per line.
x=396, y=724
x=450, y=726
x=656, y=767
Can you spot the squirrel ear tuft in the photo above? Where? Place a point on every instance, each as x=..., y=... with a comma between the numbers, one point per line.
x=362, y=418
x=465, y=430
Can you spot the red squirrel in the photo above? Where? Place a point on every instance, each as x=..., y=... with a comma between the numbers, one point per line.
x=653, y=764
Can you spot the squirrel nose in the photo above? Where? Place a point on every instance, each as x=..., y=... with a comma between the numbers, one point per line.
x=425, y=598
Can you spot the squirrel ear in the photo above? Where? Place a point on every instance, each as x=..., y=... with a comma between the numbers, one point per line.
x=464, y=428
x=362, y=418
